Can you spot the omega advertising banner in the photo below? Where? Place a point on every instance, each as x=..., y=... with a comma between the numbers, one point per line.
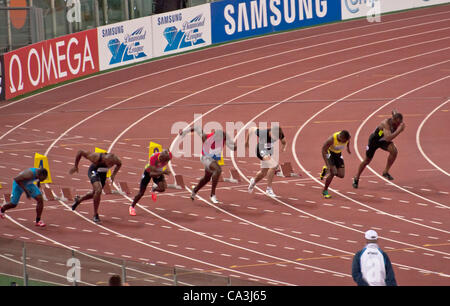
x=50, y=62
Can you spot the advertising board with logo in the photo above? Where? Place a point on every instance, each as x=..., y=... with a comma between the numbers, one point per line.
x=181, y=30
x=362, y=8
x=244, y=18
x=124, y=43
x=50, y=62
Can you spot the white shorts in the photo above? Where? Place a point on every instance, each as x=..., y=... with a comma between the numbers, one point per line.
x=270, y=163
x=206, y=161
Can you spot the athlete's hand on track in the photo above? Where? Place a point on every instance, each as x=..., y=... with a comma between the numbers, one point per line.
x=73, y=170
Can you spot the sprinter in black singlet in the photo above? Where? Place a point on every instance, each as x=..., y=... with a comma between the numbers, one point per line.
x=101, y=162
x=382, y=138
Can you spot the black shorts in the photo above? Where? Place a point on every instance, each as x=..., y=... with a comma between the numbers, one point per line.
x=374, y=144
x=95, y=176
x=146, y=180
x=336, y=160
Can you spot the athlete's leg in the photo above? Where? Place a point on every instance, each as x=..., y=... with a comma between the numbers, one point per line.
x=39, y=207
x=142, y=187
x=392, y=149
x=332, y=172
x=340, y=172
x=16, y=193
x=203, y=181
x=216, y=171
x=161, y=186
x=261, y=174
x=96, y=195
x=270, y=175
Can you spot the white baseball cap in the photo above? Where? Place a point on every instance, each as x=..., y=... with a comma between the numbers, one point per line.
x=371, y=235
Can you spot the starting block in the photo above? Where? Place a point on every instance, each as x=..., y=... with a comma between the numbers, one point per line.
x=234, y=177
x=179, y=182
x=107, y=189
x=6, y=197
x=124, y=187
x=286, y=170
x=66, y=194
x=48, y=194
x=41, y=161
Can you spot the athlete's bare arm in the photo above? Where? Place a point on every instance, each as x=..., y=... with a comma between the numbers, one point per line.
x=118, y=163
x=325, y=148
x=196, y=129
x=92, y=157
x=388, y=136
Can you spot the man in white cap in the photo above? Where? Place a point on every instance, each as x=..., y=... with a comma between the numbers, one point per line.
x=371, y=266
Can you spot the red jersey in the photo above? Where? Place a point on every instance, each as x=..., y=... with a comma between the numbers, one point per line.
x=155, y=162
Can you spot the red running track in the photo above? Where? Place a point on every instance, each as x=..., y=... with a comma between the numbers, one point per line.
x=314, y=82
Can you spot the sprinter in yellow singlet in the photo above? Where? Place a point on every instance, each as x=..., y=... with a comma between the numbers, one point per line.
x=334, y=163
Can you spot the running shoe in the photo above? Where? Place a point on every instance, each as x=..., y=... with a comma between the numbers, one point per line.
x=2, y=215
x=96, y=219
x=132, y=211
x=154, y=196
x=251, y=186
x=388, y=176
x=355, y=182
x=325, y=194
x=40, y=223
x=270, y=192
x=76, y=202
x=214, y=199
x=324, y=171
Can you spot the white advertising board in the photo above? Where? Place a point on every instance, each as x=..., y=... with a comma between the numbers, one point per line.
x=125, y=43
x=181, y=30
x=370, y=8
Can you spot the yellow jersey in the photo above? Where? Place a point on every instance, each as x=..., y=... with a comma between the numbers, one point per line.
x=337, y=146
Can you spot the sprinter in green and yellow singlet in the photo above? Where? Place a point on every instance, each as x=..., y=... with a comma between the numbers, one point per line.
x=334, y=163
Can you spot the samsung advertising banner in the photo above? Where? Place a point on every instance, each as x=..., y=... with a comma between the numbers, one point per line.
x=374, y=8
x=125, y=43
x=181, y=30
x=235, y=19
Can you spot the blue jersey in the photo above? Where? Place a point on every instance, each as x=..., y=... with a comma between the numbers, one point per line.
x=33, y=190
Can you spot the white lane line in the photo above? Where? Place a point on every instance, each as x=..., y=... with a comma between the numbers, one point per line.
x=418, y=139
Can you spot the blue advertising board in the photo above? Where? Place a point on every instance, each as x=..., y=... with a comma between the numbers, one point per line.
x=236, y=19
